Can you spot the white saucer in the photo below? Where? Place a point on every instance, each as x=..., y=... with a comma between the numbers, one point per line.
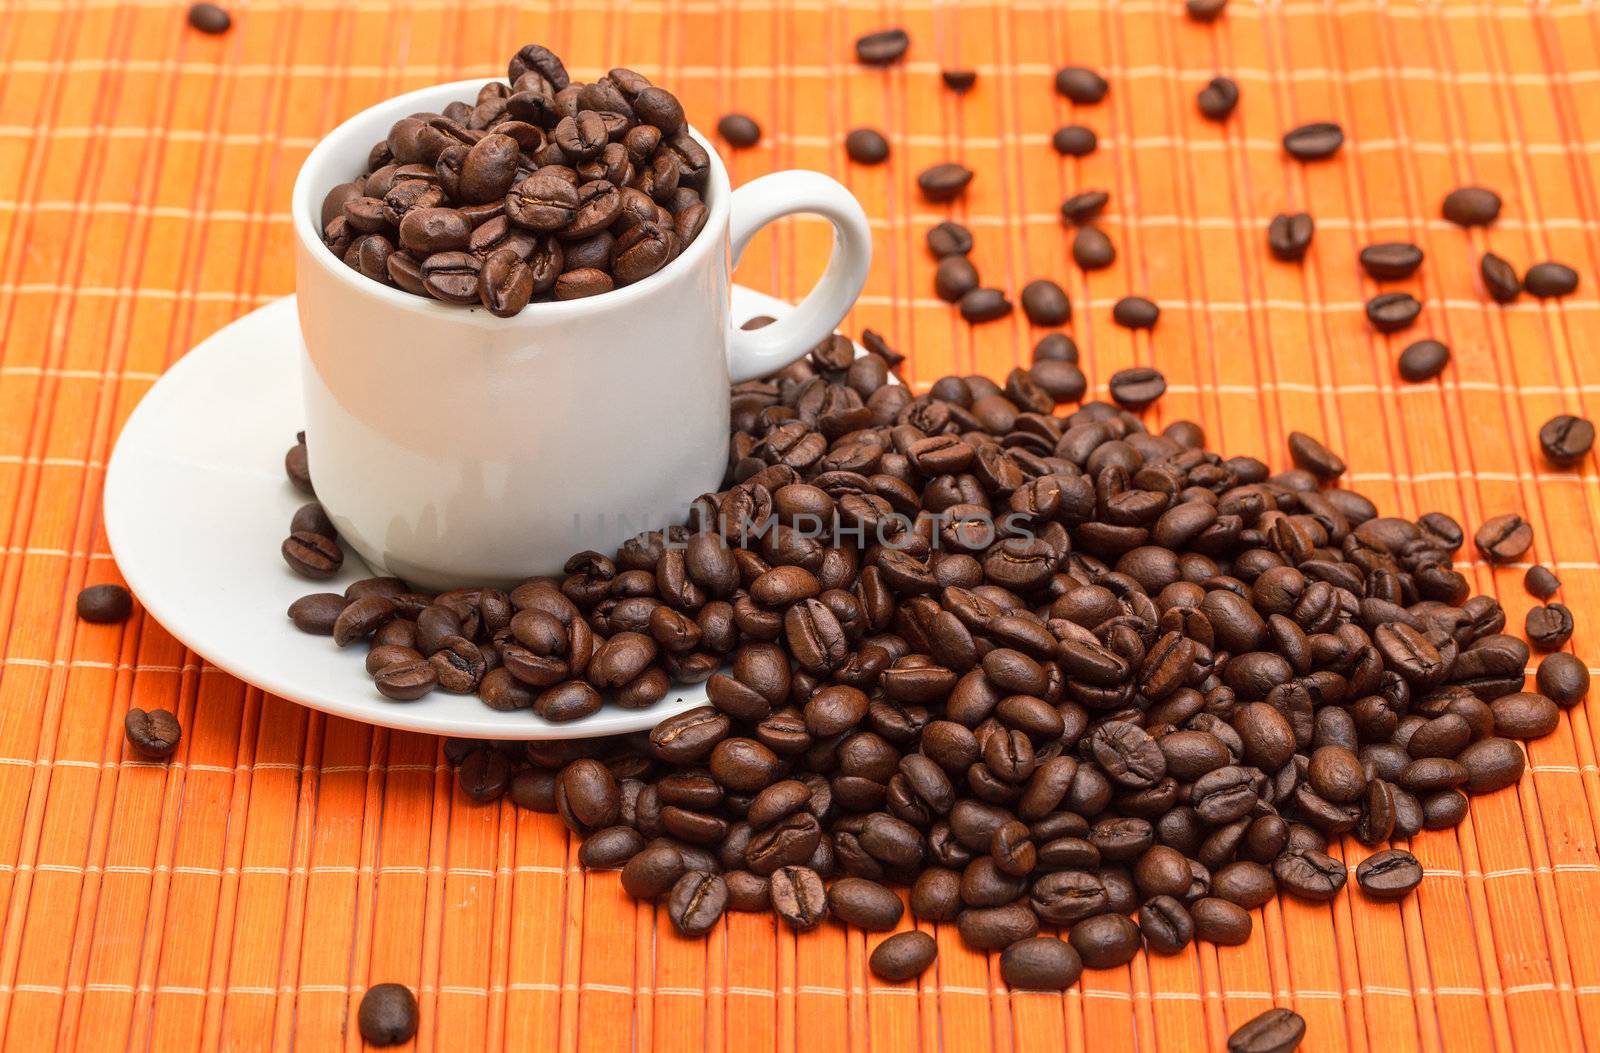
x=197, y=504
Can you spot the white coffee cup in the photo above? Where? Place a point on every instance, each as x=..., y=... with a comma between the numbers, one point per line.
x=452, y=447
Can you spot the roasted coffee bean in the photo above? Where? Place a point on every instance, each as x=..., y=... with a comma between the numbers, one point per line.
x=954, y=278
x=696, y=901
x=1074, y=140
x=983, y=305
x=1392, y=312
x=1309, y=874
x=798, y=897
x=1541, y=582
x=903, y=956
x=1166, y=925
x=1274, y=1031
x=944, y=182
x=1549, y=628
x=296, y=467
x=1135, y=312
x=154, y=733
x=1500, y=279
x=316, y=613
x=1219, y=921
x=1310, y=455
x=1205, y=10
x=1423, y=360
x=949, y=239
x=1565, y=440
x=1218, y=98
x=1503, y=538
x=1289, y=236
x=739, y=130
x=1550, y=279
x=1081, y=85
x=864, y=904
x=108, y=604
x=1084, y=206
x=388, y=1015
x=1137, y=388
x=959, y=80
x=1389, y=875
x=1390, y=261
x=312, y=555
x=1105, y=941
x=995, y=928
x=1313, y=142
x=1041, y=963
x=1092, y=250
x=1524, y=715
x=209, y=18
x=883, y=47
x=1564, y=679
x=1045, y=303
x=1061, y=380
x=866, y=146
x=1471, y=206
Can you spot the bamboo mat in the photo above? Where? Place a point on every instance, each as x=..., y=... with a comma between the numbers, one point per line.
x=244, y=896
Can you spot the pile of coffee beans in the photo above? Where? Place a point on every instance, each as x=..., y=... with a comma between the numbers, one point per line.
x=542, y=188
x=1047, y=672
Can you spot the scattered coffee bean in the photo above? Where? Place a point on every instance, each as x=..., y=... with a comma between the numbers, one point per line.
x=1041, y=963
x=1423, y=360
x=949, y=239
x=1564, y=679
x=1274, y=1031
x=1135, y=312
x=944, y=182
x=1058, y=347
x=1549, y=628
x=1390, y=261
x=1471, y=206
x=312, y=555
x=1218, y=98
x=1389, y=875
x=1137, y=388
x=1084, y=206
x=1310, y=455
x=954, y=278
x=984, y=305
x=1063, y=381
x=1541, y=582
x=739, y=130
x=1074, y=140
x=1045, y=303
x=1083, y=86
x=903, y=956
x=317, y=613
x=209, y=18
x=295, y=466
x=864, y=904
x=1392, y=312
x=1313, y=142
x=1092, y=249
x=1500, y=279
x=959, y=80
x=1524, y=715
x=1205, y=10
x=388, y=1015
x=866, y=146
x=1503, y=538
x=154, y=733
x=883, y=47
x=1105, y=941
x=696, y=901
x=1565, y=440
x=105, y=604
x=1289, y=236
x=1550, y=279
x=1220, y=922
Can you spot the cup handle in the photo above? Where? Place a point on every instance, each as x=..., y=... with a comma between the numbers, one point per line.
x=756, y=352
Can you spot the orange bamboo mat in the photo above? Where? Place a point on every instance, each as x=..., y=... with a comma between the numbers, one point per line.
x=245, y=895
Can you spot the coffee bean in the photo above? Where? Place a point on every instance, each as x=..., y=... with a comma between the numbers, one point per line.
x=1074, y=140
x=1550, y=627
x=312, y=555
x=485, y=774
x=1166, y=925
x=739, y=130
x=295, y=466
x=1524, y=715
x=317, y=613
x=944, y=182
x=950, y=239
x=864, y=904
x=1092, y=249
x=866, y=146
x=1390, y=261
x=505, y=283
x=1389, y=875
x=1564, y=679
x=1042, y=963
x=903, y=956
x=1310, y=455
x=1550, y=279
x=1500, y=279
x=1084, y=206
x=1289, y=236
x=1105, y=941
x=1565, y=440
x=1062, y=381
x=1313, y=142
x=954, y=278
x=1135, y=312
x=1045, y=303
x=1392, y=312
x=388, y=1015
x=155, y=733
x=1205, y=10
x=1471, y=206
x=696, y=901
x=1218, y=98
x=1138, y=387
x=1309, y=874
x=1540, y=582
x=105, y=604
x=406, y=681
x=1274, y=1031
x=1503, y=538
x=1220, y=922
x=1423, y=360
x=798, y=897
x=1083, y=86
x=959, y=80
x=209, y=18
x=883, y=47
x=983, y=305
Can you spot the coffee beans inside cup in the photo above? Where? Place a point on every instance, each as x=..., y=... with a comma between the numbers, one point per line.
x=540, y=188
